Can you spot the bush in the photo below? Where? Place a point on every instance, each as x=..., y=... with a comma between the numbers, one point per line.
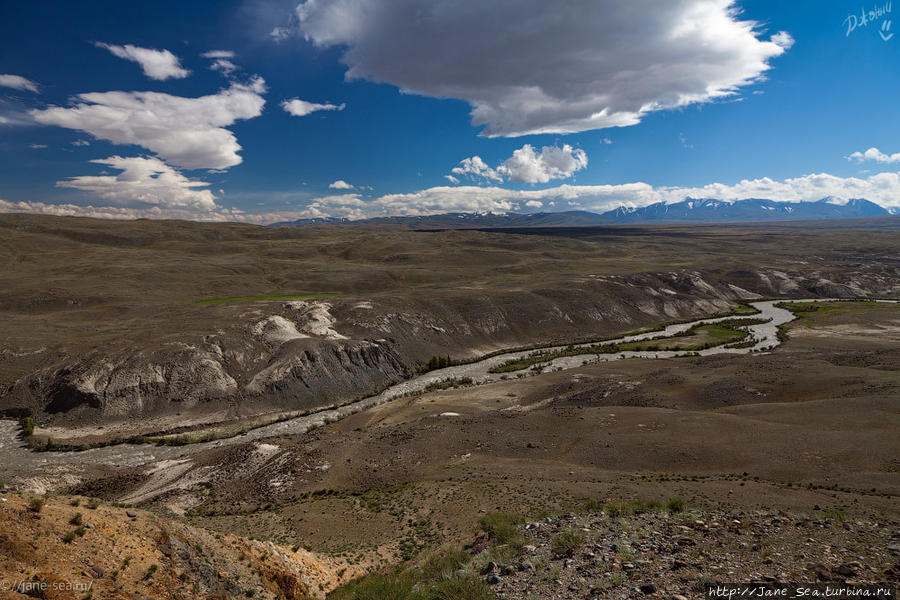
x=500, y=527
x=378, y=586
x=76, y=519
x=150, y=571
x=459, y=588
x=92, y=503
x=35, y=505
x=675, y=505
x=27, y=424
x=444, y=563
x=69, y=537
x=566, y=543
x=834, y=514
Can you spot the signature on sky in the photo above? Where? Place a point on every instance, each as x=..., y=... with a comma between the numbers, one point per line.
x=865, y=17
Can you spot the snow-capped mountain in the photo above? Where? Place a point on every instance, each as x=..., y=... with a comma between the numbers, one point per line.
x=690, y=210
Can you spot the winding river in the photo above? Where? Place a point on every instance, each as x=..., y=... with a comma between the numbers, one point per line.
x=19, y=460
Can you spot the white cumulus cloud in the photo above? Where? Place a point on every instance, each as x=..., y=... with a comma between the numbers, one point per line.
x=187, y=132
x=539, y=67
x=340, y=184
x=144, y=181
x=301, y=108
x=525, y=164
x=156, y=64
x=882, y=188
x=876, y=155
x=17, y=82
x=474, y=167
x=552, y=162
x=160, y=192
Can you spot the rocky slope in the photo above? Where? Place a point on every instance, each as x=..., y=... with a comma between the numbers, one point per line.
x=631, y=550
x=72, y=548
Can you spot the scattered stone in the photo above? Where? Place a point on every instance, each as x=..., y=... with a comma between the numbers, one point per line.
x=491, y=567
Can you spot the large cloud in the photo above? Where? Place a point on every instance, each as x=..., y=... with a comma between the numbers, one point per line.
x=529, y=66
x=156, y=64
x=883, y=188
x=144, y=181
x=525, y=165
x=552, y=162
x=188, y=132
x=17, y=82
x=151, y=212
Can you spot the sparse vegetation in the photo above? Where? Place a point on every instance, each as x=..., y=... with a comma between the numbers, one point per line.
x=27, y=425
x=835, y=514
x=501, y=528
x=675, y=505
x=566, y=543
x=447, y=384
x=36, y=504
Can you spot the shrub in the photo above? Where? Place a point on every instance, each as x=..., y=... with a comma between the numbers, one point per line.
x=675, y=505
x=444, y=563
x=27, y=424
x=35, y=505
x=459, y=588
x=150, y=571
x=67, y=539
x=92, y=503
x=834, y=514
x=76, y=519
x=378, y=586
x=74, y=501
x=500, y=527
x=566, y=543
x=80, y=531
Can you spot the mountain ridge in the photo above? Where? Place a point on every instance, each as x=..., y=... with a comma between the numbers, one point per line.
x=690, y=210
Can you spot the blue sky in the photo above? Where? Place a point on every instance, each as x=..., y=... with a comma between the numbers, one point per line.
x=437, y=107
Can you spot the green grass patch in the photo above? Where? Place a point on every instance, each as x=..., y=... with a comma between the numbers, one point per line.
x=447, y=384
x=268, y=297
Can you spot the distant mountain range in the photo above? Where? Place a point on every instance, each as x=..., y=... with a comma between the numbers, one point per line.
x=706, y=210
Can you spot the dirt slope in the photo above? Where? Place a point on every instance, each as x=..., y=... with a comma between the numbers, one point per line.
x=112, y=554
